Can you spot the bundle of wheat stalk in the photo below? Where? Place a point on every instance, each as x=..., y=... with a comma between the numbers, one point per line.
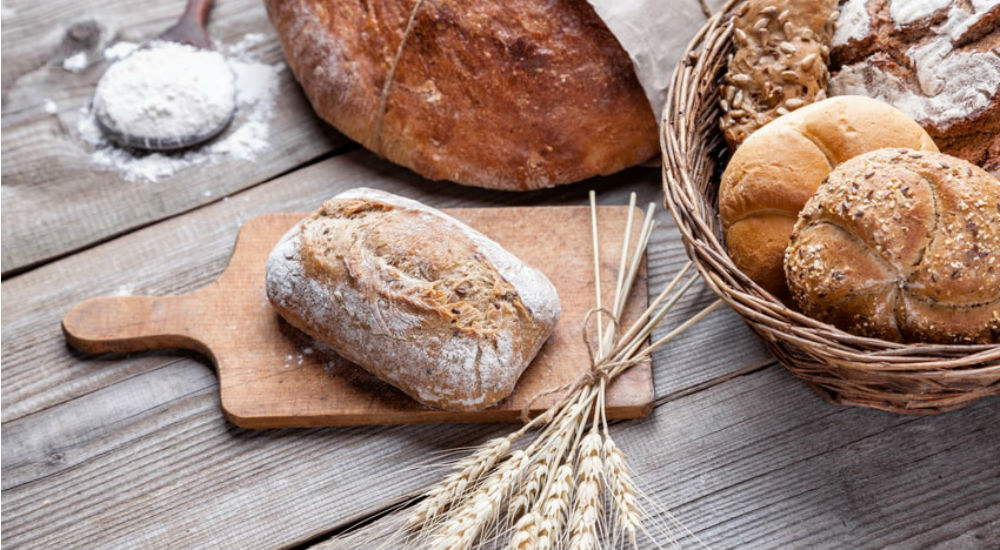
x=570, y=486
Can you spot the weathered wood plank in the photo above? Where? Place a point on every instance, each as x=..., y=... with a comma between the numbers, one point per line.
x=176, y=475
x=182, y=254
x=55, y=199
x=762, y=462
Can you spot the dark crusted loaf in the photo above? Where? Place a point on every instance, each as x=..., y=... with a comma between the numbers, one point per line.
x=512, y=94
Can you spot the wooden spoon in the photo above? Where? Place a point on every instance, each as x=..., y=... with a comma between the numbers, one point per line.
x=190, y=30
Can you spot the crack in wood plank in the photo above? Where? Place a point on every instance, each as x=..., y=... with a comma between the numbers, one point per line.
x=750, y=369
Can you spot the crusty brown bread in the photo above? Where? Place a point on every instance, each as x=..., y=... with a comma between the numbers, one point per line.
x=902, y=245
x=937, y=61
x=414, y=296
x=775, y=171
x=779, y=63
x=508, y=95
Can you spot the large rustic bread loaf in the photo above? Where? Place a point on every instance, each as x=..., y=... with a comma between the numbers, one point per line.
x=779, y=63
x=775, y=171
x=902, y=245
x=509, y=95
x=936, y=60
x=414, y=296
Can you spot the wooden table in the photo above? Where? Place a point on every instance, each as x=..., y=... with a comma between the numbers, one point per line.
x=133, y=451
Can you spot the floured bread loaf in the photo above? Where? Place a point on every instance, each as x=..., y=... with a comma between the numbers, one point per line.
x=414, y=296
x=512, y=94
x=902, y=245
x=936, y=60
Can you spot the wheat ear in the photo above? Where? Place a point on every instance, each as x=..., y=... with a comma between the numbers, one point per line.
x=531, y=486
x=587, y=502
x=546, y=482
x=622, y=488
x=464, y=474
x=554, y=508
x=525, y=532
x=482, y=508
x=538, y=474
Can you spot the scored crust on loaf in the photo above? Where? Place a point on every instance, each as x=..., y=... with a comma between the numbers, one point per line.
x=772, y=175
x=414, y=296
x=936, y=60
x=902, y=245
x=508, y=95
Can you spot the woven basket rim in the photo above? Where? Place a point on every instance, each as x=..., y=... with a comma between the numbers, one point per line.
x=827, y=358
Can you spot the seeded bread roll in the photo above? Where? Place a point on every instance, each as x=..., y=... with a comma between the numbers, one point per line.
x=773, y=174
x=902, y=245
x=414, y=296
x=779, y=65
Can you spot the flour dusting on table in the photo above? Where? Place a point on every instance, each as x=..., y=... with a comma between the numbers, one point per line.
x=255, y=85
x=76, y=62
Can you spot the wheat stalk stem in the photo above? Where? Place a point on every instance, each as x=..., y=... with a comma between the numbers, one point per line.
x=597, y=270
x=619, y=285
x=634, y=339
x=677, y=331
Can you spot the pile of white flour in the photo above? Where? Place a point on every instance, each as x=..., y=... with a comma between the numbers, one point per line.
x=255, y=85
x=166, y=91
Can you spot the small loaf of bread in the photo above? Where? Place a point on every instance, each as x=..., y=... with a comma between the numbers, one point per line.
x=414, y=296
x=775, y=171
x=779, y=64
x=902, y=245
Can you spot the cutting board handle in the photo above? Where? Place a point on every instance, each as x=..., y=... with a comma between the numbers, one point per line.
x=121, y=324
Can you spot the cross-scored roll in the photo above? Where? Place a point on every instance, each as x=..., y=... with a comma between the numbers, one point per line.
x=902, y=245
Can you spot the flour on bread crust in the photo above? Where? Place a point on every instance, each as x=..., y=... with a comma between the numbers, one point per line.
x=435, y=365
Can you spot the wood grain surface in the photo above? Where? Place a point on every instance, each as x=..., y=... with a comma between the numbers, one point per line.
x=273, y=376
x=49, y=180
x=131, y=451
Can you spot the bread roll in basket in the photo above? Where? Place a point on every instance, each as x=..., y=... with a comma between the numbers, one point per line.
x=844, y=368
x=511, y=95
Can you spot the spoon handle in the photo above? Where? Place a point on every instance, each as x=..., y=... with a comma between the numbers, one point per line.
x=190, y=28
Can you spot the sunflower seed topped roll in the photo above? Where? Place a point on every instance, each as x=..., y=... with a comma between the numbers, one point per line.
x=779, y=64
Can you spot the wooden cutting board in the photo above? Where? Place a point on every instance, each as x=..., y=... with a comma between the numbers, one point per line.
x=271, y=375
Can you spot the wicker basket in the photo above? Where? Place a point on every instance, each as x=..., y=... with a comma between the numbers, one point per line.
x=845, y=369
